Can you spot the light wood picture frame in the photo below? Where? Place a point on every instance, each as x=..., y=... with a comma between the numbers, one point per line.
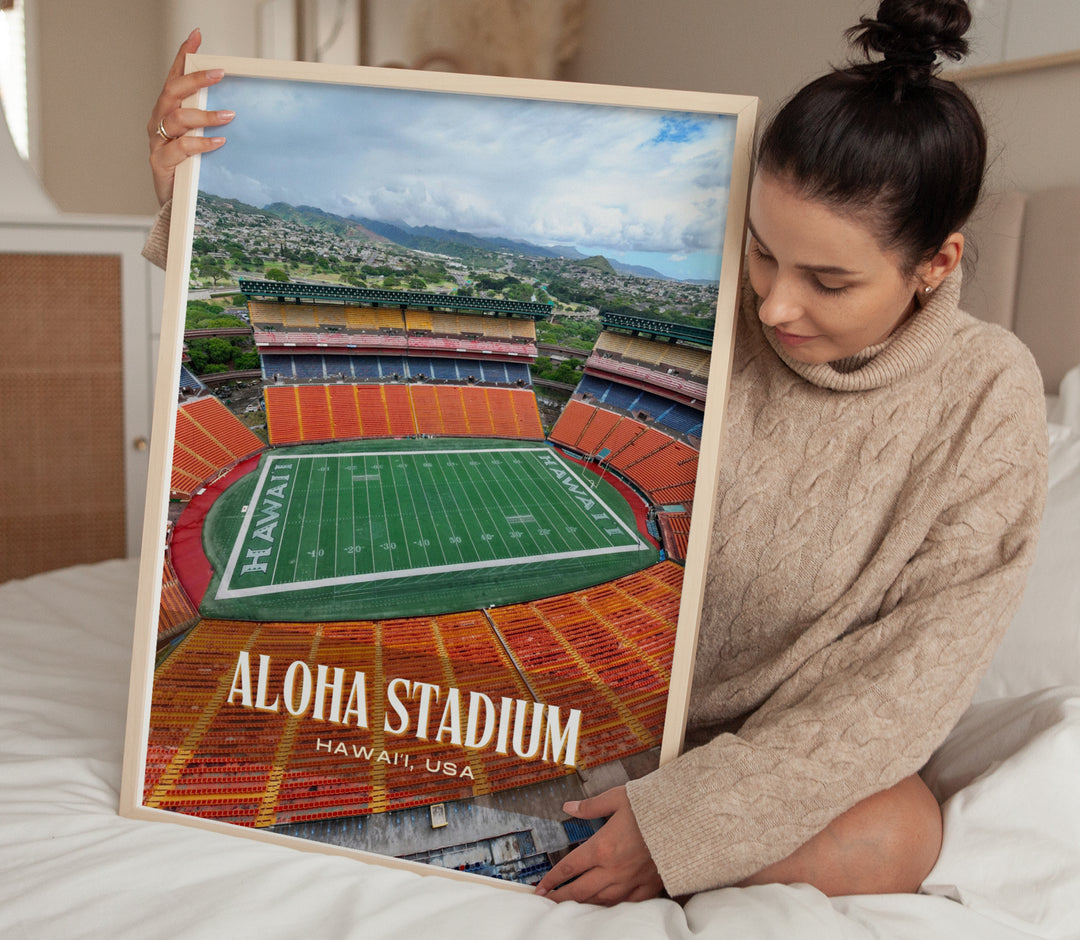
x=394, y=559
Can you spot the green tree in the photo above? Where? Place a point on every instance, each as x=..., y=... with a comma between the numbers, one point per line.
x=216, y=349
x=276, y=274
x=568, y=371
x=209, y=268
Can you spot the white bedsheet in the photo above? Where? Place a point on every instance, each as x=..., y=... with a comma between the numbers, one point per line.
x=71, y=867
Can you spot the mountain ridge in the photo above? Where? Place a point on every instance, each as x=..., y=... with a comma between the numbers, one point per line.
x=437, y=240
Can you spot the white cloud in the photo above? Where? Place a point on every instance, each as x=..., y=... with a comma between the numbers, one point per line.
x=550, y=172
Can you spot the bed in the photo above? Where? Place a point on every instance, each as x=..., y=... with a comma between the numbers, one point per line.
x=70, y=866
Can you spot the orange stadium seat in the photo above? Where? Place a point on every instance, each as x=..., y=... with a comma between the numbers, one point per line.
x=426, y=408
x=371, y=408
x=675, y=527
x=344, y=412
x=528, y=414
x=572, y=422
x=399, y=411
x=648, y=442
x=622, y=434
x=681, y=494
x=222, y=426
x=176, y=611
x=607, y=648
x=477, y=412
x=452, y=409
x=594, y=438
x=671, y=465
x=208, y=439
x=282, y=414
x=503, y=418
x=315, y=423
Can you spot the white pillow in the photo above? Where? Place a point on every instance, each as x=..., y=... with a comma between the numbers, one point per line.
x=1042, y=646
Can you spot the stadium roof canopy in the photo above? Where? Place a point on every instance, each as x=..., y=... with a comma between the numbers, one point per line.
x=291, y=290
x=692, y=334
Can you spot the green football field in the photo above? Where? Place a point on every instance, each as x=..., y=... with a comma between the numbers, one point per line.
x=395, y=528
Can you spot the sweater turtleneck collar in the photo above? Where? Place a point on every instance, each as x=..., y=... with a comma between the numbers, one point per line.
x=907, y=351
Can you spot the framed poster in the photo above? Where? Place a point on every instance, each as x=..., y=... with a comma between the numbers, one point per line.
x=439, y=400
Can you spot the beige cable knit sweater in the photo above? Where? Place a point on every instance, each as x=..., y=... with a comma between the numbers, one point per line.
x=875, y=523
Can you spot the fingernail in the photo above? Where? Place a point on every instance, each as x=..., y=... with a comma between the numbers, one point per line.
x=571, y=807
x=217, y=141
x=542, y=892
x=216, y=73
x=226, y=115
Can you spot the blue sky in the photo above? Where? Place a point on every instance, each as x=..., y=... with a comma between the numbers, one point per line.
x=645, y=186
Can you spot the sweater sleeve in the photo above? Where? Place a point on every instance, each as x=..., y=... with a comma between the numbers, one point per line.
x=156, y=249
x=869, y=709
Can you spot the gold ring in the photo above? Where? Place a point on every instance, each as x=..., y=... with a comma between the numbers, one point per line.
x=162, y=133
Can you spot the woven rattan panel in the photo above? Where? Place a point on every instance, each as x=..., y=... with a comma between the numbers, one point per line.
x=61, y=412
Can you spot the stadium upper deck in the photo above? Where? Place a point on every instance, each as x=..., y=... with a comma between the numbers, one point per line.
x=282, y=291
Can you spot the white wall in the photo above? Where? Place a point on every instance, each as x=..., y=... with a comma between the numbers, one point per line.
x=101, y=66
x=98, y=73
x=766, y=48
x=1034, y=126
x=228, y=26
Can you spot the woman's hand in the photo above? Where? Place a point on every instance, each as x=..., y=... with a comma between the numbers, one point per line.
x=613, y=865
x=170, y=120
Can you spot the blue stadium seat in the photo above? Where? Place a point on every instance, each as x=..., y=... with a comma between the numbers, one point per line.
x=446, y=369
x=188, y=380
x=335, y=365
x=518, y=372
x=494, y=372
x=365, y=367
x=652, y=405
x=590, y=385
x=419, y=365
x=388, y=365
x=621, y=396
x=273, y=364
x=682, y=418
x=308, y=367
x=678, y=417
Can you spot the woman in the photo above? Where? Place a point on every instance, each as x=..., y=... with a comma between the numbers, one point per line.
x=881, y=482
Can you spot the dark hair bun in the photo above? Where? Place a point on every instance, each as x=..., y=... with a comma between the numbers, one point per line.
x=913, y=33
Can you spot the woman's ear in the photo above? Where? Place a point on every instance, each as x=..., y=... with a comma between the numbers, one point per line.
x=945, y=260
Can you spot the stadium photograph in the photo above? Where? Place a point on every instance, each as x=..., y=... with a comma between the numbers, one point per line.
x=433, y=467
